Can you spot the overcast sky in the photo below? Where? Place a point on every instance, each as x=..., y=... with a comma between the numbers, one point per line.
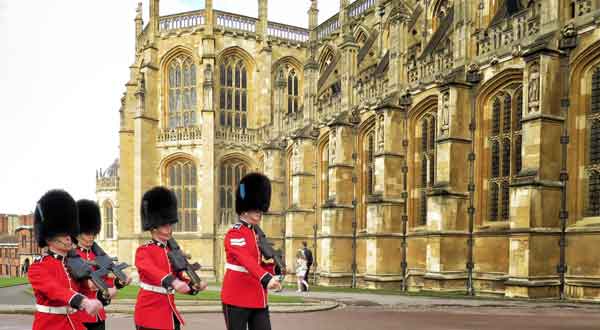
x=63, y=66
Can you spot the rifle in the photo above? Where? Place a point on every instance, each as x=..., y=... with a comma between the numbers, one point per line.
x=266, y=248
x=80, y=270
x=179, y=263
x=104, y=261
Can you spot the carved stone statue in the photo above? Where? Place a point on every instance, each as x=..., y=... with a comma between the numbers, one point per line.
x=332, y=139
x=208, y=73
x=534, y=87
x=380, y=133
x=445, y=115
x=296, y=158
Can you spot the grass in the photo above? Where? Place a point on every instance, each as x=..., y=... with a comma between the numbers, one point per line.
x=131, y=291
x=12, y=281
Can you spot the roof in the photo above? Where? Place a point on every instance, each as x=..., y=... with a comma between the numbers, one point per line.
x=440, y=34
x=507, y=8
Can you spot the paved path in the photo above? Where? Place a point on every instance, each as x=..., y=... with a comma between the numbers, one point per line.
x=376, y=318
x=15, y=295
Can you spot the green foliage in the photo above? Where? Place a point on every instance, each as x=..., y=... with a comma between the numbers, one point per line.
x=12, y=281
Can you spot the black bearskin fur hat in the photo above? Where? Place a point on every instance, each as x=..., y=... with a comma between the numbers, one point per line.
x=159, y=207
x=89, y=217
x=253, y=194
x=55, y=214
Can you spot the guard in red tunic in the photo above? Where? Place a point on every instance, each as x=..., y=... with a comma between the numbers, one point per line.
x=247, y=278
x=89, y=227
x=155, y=307
x=56, y=293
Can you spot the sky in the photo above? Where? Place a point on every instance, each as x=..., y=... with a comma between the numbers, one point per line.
x=63, y=66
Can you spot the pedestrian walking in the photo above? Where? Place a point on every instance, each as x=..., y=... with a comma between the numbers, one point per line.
x=301, y=269
x=309, y=261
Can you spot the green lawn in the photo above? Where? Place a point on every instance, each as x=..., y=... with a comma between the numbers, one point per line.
x=131, y=291
x=10, y=281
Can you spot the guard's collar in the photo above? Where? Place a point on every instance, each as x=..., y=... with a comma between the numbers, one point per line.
x=84, y=249
x=249, y=225
x=55, y=255
x=158, y=243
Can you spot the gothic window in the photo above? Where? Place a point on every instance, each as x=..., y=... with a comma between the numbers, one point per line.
x=595, y=143
x=108, y=221
x=370, y=163
x=517, y=152
x=596, y=91
x=426, y=154
x=181, y=92
x=432, y=133
x=496, y=117
x=505, y=200
x=495, y=159
x=594, y=195
x=493, y=202
x=292, y=92
x=325, y=173
x=230, y=174
x=424, y=135
x=505, y=148
x=506, y=157
x=181, y=178
x=593, y=166
x=506, y=112
x=233, y=93
x=519, y=113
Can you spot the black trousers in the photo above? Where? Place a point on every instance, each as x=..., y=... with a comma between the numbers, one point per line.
x=94, y=326
x=304, y=288
x=175, y=322
x=238, y=318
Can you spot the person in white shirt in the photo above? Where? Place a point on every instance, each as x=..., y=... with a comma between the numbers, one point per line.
x=301, y=269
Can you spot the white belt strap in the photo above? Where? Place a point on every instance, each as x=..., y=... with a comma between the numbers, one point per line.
x=154, y=288
x=62, y=310
x=236, y=268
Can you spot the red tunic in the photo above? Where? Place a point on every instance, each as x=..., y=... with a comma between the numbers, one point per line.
x=242, y=285
x=155, y=310
x=52, y=286
x=87, y=254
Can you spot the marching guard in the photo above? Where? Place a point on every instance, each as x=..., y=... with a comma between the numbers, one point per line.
x=89, y=227
x=155, y=307
x=248, y=276
x=56, y=293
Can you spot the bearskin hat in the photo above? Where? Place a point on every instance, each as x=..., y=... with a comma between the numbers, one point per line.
x=253, y=194
x=55, y=214
x=89, y=216
x=159, y=207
